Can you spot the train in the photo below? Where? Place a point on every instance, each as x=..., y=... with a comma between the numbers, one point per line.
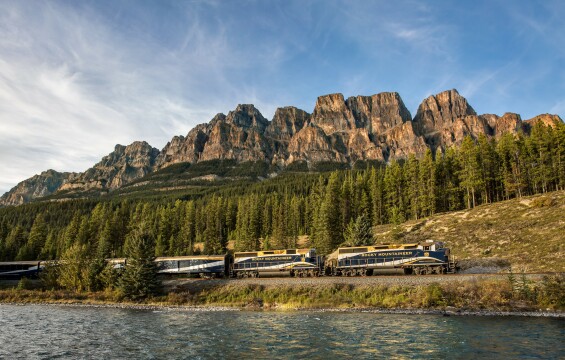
x=423, y=258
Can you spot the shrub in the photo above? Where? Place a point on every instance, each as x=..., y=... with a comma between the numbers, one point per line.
x=552, y=292
x=24, y=284
x=543, y=201
x=433, y=296
x=49, y=276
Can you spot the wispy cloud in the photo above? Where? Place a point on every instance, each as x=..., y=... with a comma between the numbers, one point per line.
x=72, y=85
x=78, y=77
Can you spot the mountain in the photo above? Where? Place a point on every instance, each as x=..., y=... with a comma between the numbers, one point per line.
x=344, y=131
x=35, y=187
x=123, y=165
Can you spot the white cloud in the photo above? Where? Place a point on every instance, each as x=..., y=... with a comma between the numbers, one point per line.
x=72, y=86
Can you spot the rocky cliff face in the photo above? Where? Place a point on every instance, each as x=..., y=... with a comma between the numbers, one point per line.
x=439, y=114
x=35, y=187
x=359, y=128
x=545, y=119
x=123, y=165
x=238, y=136
x=378, y=113
x=377, y=127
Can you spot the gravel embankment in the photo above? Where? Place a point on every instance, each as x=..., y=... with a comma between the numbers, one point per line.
x=199, y=284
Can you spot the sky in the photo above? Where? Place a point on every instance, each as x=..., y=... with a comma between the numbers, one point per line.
x=78, y=77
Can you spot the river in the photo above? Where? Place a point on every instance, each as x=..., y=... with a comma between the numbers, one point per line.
x=67, y=332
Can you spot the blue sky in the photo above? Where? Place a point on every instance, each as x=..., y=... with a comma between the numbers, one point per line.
x=78, y=77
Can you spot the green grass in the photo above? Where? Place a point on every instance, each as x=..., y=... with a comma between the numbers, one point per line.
x=510, y=294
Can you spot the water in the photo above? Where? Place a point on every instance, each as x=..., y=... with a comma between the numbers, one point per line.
x=51, y=332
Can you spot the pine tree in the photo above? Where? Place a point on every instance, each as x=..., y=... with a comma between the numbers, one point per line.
x=71, y=232
x=394, y=194
x=359, y=232
x=242, y=243
x=73, y=268
x=187, y=232
x=488, y=168
x=560, y=155
x=470, y=170
x=49, y=250
x=294, y=221
x=36, y=240
x=277, y=238
x=139, y=279
x=347, y=198
x=328, y=228
x=377, y=195
x=415, y=190
x=14, y=242
x=427, y=180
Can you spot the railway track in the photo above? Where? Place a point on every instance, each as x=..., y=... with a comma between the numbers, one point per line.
x=390, y=279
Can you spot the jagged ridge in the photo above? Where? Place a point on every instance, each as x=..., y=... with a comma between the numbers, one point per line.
x=377, y=127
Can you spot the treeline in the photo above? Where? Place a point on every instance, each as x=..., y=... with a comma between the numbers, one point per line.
x=331, y=208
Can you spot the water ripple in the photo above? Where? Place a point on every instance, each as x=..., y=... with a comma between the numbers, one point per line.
x=52, y=332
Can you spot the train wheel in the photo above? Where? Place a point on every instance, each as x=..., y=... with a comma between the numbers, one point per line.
x=369, y=272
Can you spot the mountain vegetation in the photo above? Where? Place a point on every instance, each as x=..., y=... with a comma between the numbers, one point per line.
x=318, y=209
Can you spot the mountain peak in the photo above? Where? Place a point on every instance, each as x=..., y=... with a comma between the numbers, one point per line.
x=246, y=116
x=438, y=112
x=376, y=127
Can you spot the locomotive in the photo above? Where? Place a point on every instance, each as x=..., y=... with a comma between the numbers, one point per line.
x=424, y=258
x=295, y=262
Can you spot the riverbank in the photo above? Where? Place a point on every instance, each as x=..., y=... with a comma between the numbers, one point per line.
x=496, y=295
x=205, y=308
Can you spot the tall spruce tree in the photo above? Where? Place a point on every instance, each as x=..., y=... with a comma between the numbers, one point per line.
x=74, y=270
x=328, y=227
x=470, y=176
x=139, y=279
x=359, y=232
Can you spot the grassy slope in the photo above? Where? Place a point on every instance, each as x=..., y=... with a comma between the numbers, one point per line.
x=528, y=232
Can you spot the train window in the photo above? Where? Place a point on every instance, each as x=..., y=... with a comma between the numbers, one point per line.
x=364, y=249
x=292, y=251
x=426, y=248
x=268, y=252
x=245, y=254
x=352, y=250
